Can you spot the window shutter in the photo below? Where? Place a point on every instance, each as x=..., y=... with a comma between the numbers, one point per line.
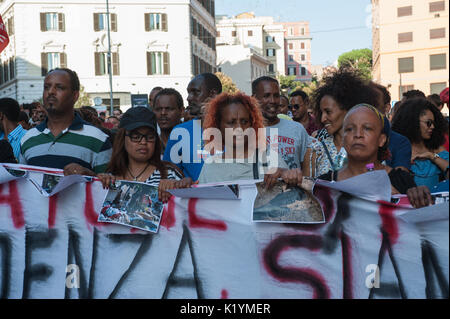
x=166, y=63
x=405, y=37
x=43, y=22
x=63, y=60
x=438, y=61
x=437, y=33
x=164, y=22
x=96, y=24
x=114, y=22
x=115, y=63
x=61, y=22
x=97, y=63
x=44, y=64
x=147, y=21
x=149, y=63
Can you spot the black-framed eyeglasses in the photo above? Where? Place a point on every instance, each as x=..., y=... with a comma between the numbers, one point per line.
x=429, y=123
x=137, y=137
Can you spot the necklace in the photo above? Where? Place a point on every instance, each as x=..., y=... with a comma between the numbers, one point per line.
x=135, y=178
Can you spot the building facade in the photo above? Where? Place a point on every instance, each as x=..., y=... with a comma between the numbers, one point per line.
x=153, y=43
x=297, y=42
x=243, y=65
x=410, y=45
x=260, y=34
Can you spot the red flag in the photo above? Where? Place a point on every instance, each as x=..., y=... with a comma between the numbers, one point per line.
x=4, y=38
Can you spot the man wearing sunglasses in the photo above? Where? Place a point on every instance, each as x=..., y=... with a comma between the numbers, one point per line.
x=298, y=105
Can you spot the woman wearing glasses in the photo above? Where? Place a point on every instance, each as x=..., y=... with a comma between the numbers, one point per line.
x=422, y=123
x=136, y=155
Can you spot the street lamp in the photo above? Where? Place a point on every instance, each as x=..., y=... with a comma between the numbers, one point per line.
x=109, y=60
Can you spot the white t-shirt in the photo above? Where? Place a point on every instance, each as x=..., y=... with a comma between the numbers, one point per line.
x=291, y=141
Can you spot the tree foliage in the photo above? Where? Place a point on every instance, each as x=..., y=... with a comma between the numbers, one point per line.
x=228, y=85
x=84, y=99
x=360, y=60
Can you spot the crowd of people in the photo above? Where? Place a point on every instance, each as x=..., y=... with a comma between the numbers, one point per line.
x=346, y=127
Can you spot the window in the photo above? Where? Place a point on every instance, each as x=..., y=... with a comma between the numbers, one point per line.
x=270, y=39
x=292, y=70
x=116, y=102
x=51, y=60
x=303, y=57
x=233, y=33
x=437, y=6
x=10, y=26
x=12, y=69
x=291, y=58
x=158, y=63
x=437, y=33
x=405, y=37
x=437, y=88
x=406, y=65
x=291, y=31
x=158, y=22
x=438, y=61
x=271, y=68
x=303, y=31
x=101, y=22
x=5, y=73
x=303, y=71
x=52, y=21
x=250, y=33
x=270, y=52
x=302, y=45
x=218, y=34
x=291, y=46
x=404, y=89
x=404, y=11
x=101, y=63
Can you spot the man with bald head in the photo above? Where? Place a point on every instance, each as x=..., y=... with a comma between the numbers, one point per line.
x=64, y=140
x=188, y=135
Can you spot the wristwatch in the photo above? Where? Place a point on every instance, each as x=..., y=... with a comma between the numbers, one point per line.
x=436, y=155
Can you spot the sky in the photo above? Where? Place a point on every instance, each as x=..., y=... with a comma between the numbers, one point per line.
x=336, y=26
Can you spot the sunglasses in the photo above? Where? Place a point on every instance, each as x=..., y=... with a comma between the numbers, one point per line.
x=294, y=107
x=137, y=137
x=429, y=123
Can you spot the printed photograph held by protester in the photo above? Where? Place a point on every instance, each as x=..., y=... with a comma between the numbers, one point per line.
x=423, y=124
x=137, y=155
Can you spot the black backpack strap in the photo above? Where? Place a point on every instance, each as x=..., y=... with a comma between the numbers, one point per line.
x=255, y=167
x=328, y=155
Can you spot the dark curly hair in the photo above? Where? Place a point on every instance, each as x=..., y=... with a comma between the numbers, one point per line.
x=347, y=87
x=406, y=121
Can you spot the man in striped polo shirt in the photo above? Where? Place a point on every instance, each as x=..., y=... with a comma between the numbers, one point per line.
x=64, y=140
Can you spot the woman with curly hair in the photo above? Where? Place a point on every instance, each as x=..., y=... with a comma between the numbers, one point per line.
x=339, y=92
x=136, y=155
x=366, y=141
x=422, y=123
x=236, y=139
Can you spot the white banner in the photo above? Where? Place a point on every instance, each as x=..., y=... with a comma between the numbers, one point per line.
x=53, y=247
